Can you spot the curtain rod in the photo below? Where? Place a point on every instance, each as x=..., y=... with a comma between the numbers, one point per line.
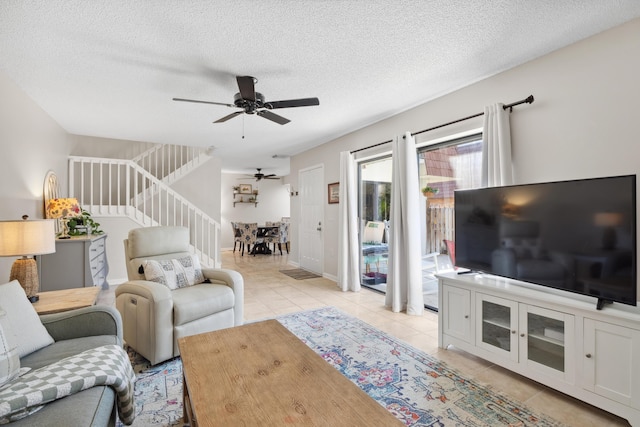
x=371, y=146
x=528, y=100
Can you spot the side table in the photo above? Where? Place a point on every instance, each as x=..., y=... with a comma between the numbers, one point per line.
x=66, y=299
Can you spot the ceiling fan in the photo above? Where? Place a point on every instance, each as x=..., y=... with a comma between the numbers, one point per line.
x=252, y=102
x=259, y=175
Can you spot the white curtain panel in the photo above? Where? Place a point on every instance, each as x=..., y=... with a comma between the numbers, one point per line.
x=348, y=247
x=404, y=274
x=497, y=167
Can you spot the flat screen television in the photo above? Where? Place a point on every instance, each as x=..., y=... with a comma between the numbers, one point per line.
x=577, y=236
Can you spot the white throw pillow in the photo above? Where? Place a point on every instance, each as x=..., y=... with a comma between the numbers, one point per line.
x=174, y=273
x=9, y=358
x=30, y=334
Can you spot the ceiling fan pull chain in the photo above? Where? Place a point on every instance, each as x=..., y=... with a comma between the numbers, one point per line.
x=242, y=127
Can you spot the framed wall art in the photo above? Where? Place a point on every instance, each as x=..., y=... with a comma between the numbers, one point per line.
x=245, y=188
x=334, y=192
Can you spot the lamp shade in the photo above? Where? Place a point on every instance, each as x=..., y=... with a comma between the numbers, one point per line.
x=63, y=208
x=608, y=219
x=23, y=238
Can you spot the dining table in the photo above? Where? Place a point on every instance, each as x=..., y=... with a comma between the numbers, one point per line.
x=264, y=231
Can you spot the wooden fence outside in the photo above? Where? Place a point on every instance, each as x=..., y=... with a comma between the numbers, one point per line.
x=440, y=226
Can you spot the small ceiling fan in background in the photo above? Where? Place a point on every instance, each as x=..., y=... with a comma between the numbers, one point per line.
x=260, y=176
x=252, y=102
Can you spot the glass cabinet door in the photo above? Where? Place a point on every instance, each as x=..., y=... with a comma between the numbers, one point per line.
x=545, y=340
x=497, y=325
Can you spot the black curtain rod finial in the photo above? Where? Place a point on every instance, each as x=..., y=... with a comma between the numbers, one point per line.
x=528, y=100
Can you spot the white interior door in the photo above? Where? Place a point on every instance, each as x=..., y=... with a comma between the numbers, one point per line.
x=312, y=196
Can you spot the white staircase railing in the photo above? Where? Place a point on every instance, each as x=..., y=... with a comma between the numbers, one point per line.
x=111, y=187
x=169, y=162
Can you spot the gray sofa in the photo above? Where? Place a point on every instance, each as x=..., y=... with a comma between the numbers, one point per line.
x=74, y=332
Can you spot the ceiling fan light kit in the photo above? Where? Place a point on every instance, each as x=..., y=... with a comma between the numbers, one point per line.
x=252, y=102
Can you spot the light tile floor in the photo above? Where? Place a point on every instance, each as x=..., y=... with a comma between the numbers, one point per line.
x=269, y=293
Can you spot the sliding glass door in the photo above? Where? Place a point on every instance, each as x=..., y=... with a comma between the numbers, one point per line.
x=444, y=168
x=375, y=205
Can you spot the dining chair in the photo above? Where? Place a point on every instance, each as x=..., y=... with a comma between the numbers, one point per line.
x=272, y=238
x=236, y=236
x=284, y=236
x=248, y=236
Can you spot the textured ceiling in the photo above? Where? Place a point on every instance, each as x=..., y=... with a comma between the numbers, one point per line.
x=110, y=68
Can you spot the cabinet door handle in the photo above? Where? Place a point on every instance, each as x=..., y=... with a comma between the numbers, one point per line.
x=522, y=335
x=588, y=355
x=513, y=332
x=466, y=316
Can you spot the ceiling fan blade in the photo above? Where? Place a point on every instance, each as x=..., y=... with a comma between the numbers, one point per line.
x=273, y=117
x=303, y=102
x=230, y=116
x=247, y=87
x=203, y=102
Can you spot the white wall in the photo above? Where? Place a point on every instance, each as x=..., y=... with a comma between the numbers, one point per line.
x=31, y=144
x=117, y=229
x=202, y=187
x=93, y=146
x=582, y=124
x=273, y=204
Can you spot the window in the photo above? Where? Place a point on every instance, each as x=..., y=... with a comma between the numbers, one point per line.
x=448, y=166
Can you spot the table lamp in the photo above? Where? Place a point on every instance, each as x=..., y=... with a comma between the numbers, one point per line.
x=25, y=238
x=63, y=209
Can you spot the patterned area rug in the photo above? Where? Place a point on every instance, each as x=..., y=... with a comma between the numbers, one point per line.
x=158, y=392
x=418, y=389
x=299, y=274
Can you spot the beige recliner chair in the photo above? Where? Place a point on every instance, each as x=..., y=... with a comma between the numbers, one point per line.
x=153, y=315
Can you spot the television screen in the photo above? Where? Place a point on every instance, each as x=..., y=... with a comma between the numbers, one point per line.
x=578, y=236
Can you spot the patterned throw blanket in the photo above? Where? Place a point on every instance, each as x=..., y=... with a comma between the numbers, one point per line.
x=107, y=365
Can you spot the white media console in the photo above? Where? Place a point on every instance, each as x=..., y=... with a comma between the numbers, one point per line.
x=554, y=337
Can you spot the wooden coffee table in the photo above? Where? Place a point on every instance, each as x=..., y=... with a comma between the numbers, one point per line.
x=261, y=374
x=66, y=299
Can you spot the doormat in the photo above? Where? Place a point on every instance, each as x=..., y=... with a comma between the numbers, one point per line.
x=300, y=274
